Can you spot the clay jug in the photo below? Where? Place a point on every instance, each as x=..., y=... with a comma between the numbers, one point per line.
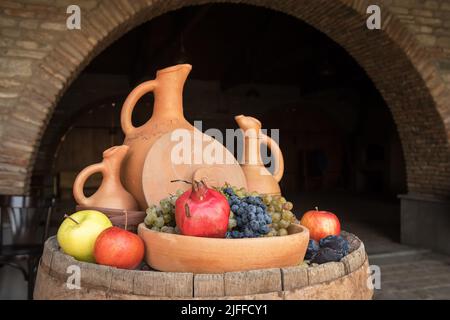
x=258, y=177
x=111, y=194
x=167, y=116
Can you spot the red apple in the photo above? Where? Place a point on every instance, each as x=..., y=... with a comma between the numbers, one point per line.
x=119, y=248
x=321, y=224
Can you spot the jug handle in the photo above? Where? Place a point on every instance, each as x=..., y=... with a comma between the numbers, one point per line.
x=80, y=180
x=130, y=103
x=277, y=155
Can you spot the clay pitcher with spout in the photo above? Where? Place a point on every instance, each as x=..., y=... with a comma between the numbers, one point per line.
x=111, y=194
x=167, y=115
x=259, y=179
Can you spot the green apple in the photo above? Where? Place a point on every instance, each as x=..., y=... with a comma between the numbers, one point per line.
x=78, y=232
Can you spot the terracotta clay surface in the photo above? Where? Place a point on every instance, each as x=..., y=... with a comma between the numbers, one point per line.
x=178, y=253
x=162, y=165
x=111, y=194
x=148, y=167
x=346, y=279
x=258, y=177
x=218, y=176
x=167, y=116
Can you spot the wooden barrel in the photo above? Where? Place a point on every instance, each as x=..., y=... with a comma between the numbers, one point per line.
x=347, y=279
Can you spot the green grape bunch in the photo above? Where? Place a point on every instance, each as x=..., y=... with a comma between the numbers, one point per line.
x=281, y=212
x=162, y=218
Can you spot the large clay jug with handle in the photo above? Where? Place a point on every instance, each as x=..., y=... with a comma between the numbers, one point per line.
x=167, y=115
x=259, y=179
x=111, y=194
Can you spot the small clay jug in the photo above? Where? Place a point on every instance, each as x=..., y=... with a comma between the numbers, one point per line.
x=111, y=194
x=167, y=116
x=259, y=179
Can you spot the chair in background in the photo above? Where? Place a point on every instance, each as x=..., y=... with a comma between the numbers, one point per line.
x=24, y=226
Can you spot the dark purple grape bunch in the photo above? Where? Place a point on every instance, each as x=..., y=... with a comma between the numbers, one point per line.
x=330, y=248
x=252, y=218
x=313, y=248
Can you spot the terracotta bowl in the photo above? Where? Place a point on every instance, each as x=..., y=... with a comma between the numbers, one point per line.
x=178, y=253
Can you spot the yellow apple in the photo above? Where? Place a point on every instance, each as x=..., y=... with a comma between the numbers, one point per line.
x=78, y=232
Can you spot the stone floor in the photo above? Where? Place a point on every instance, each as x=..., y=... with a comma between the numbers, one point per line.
x=12, y=284
x=406, y=272
x=413, y=275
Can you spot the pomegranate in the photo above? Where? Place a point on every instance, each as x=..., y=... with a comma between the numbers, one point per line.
x=321, y=224
x=202, y=212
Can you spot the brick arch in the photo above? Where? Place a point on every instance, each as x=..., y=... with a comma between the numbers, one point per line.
x=397, y=64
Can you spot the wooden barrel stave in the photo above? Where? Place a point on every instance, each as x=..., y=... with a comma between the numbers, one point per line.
x=346, y=279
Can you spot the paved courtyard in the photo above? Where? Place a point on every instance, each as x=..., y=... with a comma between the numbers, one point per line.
x=413, y=276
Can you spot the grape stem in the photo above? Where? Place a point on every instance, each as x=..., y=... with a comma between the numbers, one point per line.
x=69, y=217
x=180, y=180
x=317, y=208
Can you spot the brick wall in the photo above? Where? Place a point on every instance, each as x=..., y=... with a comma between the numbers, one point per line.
x=429, y=20
x=408, y=61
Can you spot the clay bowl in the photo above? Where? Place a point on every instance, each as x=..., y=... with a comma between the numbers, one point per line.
x=177, y=253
